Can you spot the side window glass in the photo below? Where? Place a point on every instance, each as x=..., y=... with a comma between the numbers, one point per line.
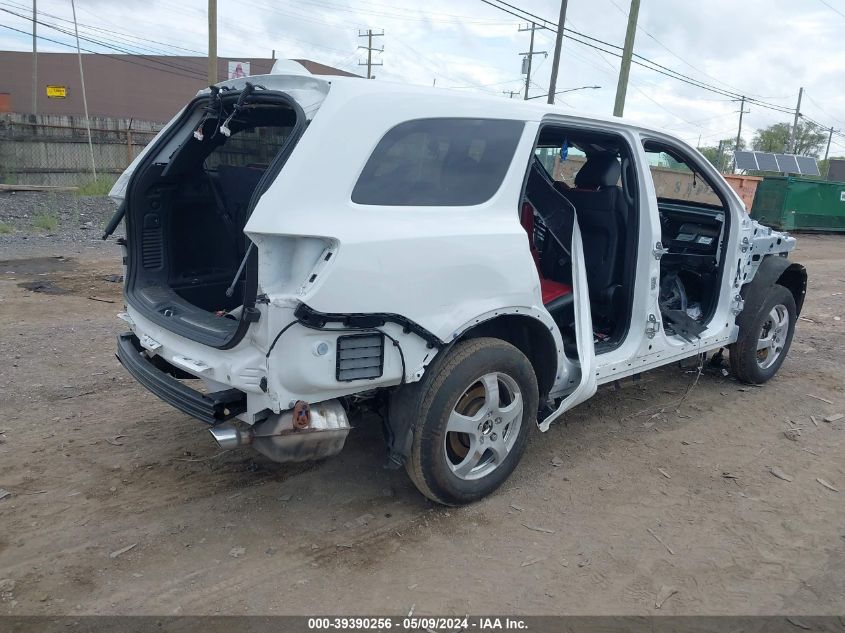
x=439, y=162
x=675, y=179
x=561, y=169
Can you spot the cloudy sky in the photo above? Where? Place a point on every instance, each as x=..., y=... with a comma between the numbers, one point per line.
x=765, y=49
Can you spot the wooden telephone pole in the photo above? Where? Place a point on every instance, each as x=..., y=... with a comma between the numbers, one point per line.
x=212, y=42
x=627, y=52
x=558, y=45
x=34, y=60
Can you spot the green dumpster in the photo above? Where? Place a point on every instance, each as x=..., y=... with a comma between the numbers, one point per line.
x=790, y=203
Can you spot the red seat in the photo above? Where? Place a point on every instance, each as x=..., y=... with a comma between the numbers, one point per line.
x=550, y=290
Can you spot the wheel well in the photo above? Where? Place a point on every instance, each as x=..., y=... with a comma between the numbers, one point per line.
x=529, y=336
x=794, y=279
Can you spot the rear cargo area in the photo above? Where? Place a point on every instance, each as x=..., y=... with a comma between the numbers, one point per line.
x=190, y=266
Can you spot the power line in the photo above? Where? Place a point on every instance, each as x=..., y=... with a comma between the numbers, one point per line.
x=192, y=73
x=822, y=109
x=186, y=71
x=671, y=52
x=129, y=47
x=114, y=33
x=88, y=50
x=404, y=17
x=832, y=8
x=640, y=60
x=425, y=62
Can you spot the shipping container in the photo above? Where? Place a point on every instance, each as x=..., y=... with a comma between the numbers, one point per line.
x=791, y=203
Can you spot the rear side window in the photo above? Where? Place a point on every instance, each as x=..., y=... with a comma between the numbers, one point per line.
x=439, y=162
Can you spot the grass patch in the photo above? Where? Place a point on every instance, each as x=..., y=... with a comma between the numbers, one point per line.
x=46, y=222
x=99, y=187
x=5, y=229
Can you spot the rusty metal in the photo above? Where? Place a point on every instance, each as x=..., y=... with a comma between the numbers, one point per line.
x=301, y=415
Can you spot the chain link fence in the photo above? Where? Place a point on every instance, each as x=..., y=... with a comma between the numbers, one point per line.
x=53, y=150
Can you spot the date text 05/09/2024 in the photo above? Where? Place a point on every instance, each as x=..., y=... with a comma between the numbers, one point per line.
x=417, y=623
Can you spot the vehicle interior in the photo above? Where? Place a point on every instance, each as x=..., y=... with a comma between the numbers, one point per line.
x=693, y=222
x=601, y=192
x=187, y=214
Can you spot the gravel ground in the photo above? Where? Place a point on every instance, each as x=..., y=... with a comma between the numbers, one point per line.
x=33, y=223
x=642, y=500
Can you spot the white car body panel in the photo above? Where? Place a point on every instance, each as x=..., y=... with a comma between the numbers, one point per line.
x=444, y=268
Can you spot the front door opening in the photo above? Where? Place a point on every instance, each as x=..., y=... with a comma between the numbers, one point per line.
x=693, y=223
x=588, y=175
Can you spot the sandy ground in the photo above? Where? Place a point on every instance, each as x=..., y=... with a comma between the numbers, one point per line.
x=609, y=512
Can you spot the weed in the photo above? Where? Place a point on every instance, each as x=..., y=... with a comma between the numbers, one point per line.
x=46, y=222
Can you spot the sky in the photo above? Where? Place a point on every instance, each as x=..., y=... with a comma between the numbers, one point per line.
x=765, y=49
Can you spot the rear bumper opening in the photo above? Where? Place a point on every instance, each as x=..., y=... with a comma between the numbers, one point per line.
x=211, y=408
x=190, y=267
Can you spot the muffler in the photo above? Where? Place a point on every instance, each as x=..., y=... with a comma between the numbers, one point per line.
x=301, y=434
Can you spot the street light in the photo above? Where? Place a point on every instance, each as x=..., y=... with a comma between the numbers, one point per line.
x=568, y=90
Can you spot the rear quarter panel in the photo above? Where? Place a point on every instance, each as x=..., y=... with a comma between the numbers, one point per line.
x=438, y=266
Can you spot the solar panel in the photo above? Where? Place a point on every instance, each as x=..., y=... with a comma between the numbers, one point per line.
x=836, y=170
x=808, y=165
x=766, y=161
x=746, y=160
x=787, y=163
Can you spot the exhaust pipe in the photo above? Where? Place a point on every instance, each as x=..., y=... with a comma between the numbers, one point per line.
x=301, y=434
x=228, y=436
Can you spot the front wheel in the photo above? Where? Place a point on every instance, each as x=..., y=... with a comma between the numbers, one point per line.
x=765, y=337
x=476, y=409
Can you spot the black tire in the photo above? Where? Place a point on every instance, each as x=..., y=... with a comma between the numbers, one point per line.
x=747, y=363
x=462, y=379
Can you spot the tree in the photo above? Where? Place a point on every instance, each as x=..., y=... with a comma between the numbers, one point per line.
x=824, y=165
x=809, y=139
x=722, y=159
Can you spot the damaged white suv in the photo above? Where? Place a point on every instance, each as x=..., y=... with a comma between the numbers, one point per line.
x=299, y=247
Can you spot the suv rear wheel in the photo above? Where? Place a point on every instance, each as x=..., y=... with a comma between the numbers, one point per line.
x=764, y=339
x=476, y=409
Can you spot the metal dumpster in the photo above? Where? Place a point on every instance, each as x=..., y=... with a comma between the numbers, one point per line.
x=745, y=187
x=790, y=203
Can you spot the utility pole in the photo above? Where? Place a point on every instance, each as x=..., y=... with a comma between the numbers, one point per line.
x=829, y=139
x=212, y=42
x=34, y=61
x=627, y=51
x=510, y=93
x=369, y=47
x=526, y=62
x=793, y=136
x=827, y=152
x=719, y=156
x=558, y=45
x=742, y=111
x=84, y=97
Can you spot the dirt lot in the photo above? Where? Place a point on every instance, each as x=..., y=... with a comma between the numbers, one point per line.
x=119, y=504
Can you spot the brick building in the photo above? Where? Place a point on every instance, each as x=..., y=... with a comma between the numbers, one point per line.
x=145, y=87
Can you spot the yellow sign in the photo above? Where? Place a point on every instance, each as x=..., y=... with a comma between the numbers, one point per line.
x=56, y=92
